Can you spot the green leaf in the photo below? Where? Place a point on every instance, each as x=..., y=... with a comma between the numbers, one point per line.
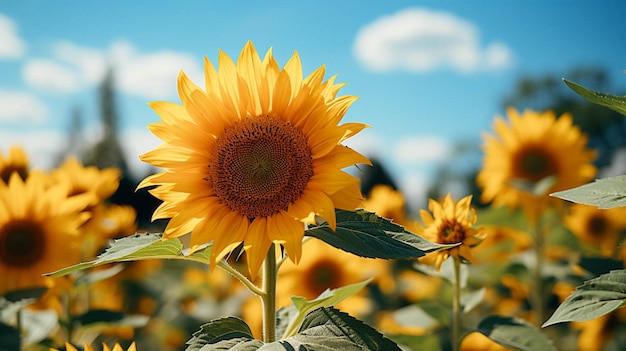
x=96, y=276
x=417, y=342
x=594, y=298
x=604, y=193
x=367, y=235
x=140, y=247
x=228, y=333
x=329, y=297
x=328, y=329
x=9, y=338
x=515, y=333
x=615, y=103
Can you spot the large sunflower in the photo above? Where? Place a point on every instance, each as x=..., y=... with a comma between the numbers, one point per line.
x=253, y=157
x=534, y=148
x=38, y=230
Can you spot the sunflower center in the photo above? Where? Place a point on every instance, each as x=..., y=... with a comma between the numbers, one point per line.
x=451, y=232
x=22, y=243
x=261, y=165
x=534, y=164
x=323, y=275
x=597, y=226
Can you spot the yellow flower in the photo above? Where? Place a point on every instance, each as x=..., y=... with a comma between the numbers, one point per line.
x=450, y=223
x=87, y=347
x=601, y=230
x=16, y=161
x=386, y=202
x=91, y=181
x=533, y=147
x=476, y=341
x=500, y=244
x=38, y=230
x=253, y=156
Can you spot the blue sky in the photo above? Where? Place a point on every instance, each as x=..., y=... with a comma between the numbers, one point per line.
x=428, y=73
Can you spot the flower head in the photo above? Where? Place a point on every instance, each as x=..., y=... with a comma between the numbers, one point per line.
x=38, y=230
x=450, y=223
x=532, y=156
x=253, y=156
x=600, y=230
x=105, y=347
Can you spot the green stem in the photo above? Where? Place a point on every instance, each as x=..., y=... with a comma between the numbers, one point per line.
x=223, y=265
x=456, y=306
x=268, y=299
x=537, y=280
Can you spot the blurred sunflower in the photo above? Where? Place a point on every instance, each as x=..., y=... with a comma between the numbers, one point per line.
x=253, y=156
x=500, y=244
x=97, y=183
x=450, y=223
x=532, y=156
x=16, y=161
x=105, y=347
x=386, y=202
x=476, y=341
x=38, y=230
x=600, y=230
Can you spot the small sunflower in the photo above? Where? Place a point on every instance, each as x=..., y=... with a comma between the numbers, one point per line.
x=16, y=161
x=533, y=149
x=601, y=230
x=450, y=223
x=253, y=157
x=91, y=181
x=38, y=230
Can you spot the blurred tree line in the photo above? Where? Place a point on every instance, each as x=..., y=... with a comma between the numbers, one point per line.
x=108, y=151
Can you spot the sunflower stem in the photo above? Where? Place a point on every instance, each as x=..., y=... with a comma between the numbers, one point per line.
x=537, y=280
x=268, y=299
x=223, y=265
x=456, y=306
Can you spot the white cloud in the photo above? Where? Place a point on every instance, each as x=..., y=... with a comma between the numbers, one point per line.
x=50, y=75
x=42, y=147
x=414, y=187
x=137, y=142
x=21, y=107
x=421, y=40
x=12, y=47
x=421, y=149
x=151, y=75
x=368, y=143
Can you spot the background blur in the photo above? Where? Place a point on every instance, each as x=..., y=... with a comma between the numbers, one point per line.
x=75, y=76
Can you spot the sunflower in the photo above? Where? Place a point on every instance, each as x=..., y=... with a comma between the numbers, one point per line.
x=533, y=156
x=38, y=230
x=386, y=202
x=87, y=347
x=601, y=230
x=16, y=161
x=450, y=223
x=99, y=184
x=253, y=157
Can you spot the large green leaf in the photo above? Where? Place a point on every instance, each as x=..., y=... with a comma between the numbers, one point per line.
x=604, y=193
x=329, y=329
x=140, y=247
x=594, y=298
x=329, y=297
x=615, y=103
x=515, y=333
x=228, y=333
x=365, y=234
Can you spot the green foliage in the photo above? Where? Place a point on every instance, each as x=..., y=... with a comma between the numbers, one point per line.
x=594, y=298
x=140, y=247
x=324, y=329
x=604, y=193
x=365, y=234
x=328, y=298
x=615, y=103
x=515, y=333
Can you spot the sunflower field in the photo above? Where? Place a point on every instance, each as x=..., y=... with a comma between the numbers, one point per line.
x=265, y=238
